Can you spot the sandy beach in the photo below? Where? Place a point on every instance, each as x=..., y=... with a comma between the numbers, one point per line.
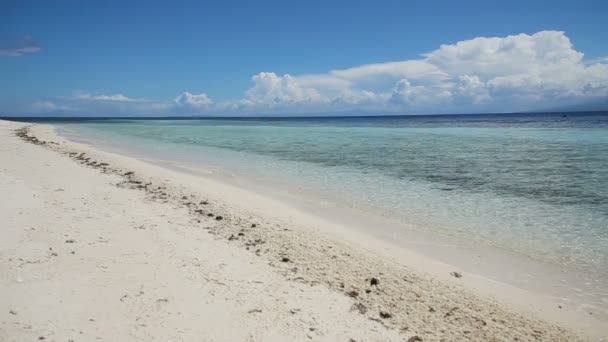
x=102, y=246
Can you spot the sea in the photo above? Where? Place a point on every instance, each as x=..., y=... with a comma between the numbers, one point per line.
x=532, y=184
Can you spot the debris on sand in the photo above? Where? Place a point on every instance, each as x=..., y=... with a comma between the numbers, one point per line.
x=385, y=315
x=456, y=274
x=353, y=293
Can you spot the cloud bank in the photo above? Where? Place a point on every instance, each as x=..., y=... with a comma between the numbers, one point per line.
x=484, y=74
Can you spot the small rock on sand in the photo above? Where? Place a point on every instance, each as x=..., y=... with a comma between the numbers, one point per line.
x=385, y=315
x=456, y=274
x=353, y=293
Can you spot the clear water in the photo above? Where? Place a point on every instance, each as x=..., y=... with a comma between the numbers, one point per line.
x=536, y=184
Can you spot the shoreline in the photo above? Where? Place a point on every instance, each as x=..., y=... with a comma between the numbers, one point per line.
x=429, y=305
x=487, y=266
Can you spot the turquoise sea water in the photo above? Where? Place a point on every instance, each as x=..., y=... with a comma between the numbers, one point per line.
x=536, y=184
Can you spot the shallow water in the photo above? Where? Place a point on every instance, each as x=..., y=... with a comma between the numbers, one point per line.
x=536, y=184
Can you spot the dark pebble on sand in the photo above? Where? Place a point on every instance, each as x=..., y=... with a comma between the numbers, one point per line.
x=69, y=241
x=456, y=274
x=414, y=338
x=219, y=218
x=374, y=281
x=385, y=315
x=353, y=293
x=253, y=225
x=285, y=259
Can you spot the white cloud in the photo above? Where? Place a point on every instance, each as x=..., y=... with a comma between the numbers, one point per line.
x=109, y=98
x=493, y=57
x=419, y=96
x=471, y=87
x=82, y=103
x=487, y=74
x=17, y=52
x=193, y=100
x=270, y=91
x=491, y=74
x=413, y=70
x=16, y=46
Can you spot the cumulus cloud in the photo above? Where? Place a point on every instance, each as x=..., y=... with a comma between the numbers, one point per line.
x=271, y=90
x=516, y=72
x=193, y=100
x=494, y=57
x=471, y=87
x=484, y=74
x=17, y=46
x=419, y=96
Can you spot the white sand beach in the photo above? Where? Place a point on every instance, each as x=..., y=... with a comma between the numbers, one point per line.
x=102, y=246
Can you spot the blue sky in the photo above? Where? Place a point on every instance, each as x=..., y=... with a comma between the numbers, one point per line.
x=287, y=57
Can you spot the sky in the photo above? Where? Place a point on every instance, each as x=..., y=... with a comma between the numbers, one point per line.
x=152, y=58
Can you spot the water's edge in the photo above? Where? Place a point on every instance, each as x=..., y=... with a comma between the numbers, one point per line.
x=569, y=284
